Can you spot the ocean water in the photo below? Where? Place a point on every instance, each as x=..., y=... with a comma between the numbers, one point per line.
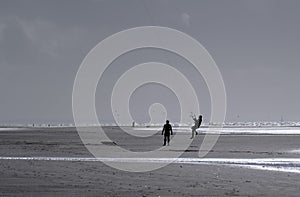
x=232, y=130
x=291, y=165
x=12, y=129
x=269, y=128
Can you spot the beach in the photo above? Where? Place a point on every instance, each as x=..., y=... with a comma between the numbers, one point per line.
x=54, y=161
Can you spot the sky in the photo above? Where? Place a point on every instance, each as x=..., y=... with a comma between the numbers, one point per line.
x=255, y=44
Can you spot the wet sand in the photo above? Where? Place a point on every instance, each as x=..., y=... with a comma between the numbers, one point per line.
x=94, y=178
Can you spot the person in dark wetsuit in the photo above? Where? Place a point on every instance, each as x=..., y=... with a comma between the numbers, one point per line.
x=167, y=130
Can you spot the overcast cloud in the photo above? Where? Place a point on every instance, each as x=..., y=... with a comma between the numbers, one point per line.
x=255, y=43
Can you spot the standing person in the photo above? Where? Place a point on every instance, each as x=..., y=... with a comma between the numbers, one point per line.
x=167, y=130
x=197, y=123
x=200, y=121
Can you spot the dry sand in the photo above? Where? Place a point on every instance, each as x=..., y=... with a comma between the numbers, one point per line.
x=79, y=178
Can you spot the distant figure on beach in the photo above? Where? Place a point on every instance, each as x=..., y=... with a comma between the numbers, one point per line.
x=167, y=130
x=197, y=123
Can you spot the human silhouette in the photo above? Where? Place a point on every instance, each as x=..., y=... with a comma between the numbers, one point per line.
x=197, y=123
x=167, y=130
